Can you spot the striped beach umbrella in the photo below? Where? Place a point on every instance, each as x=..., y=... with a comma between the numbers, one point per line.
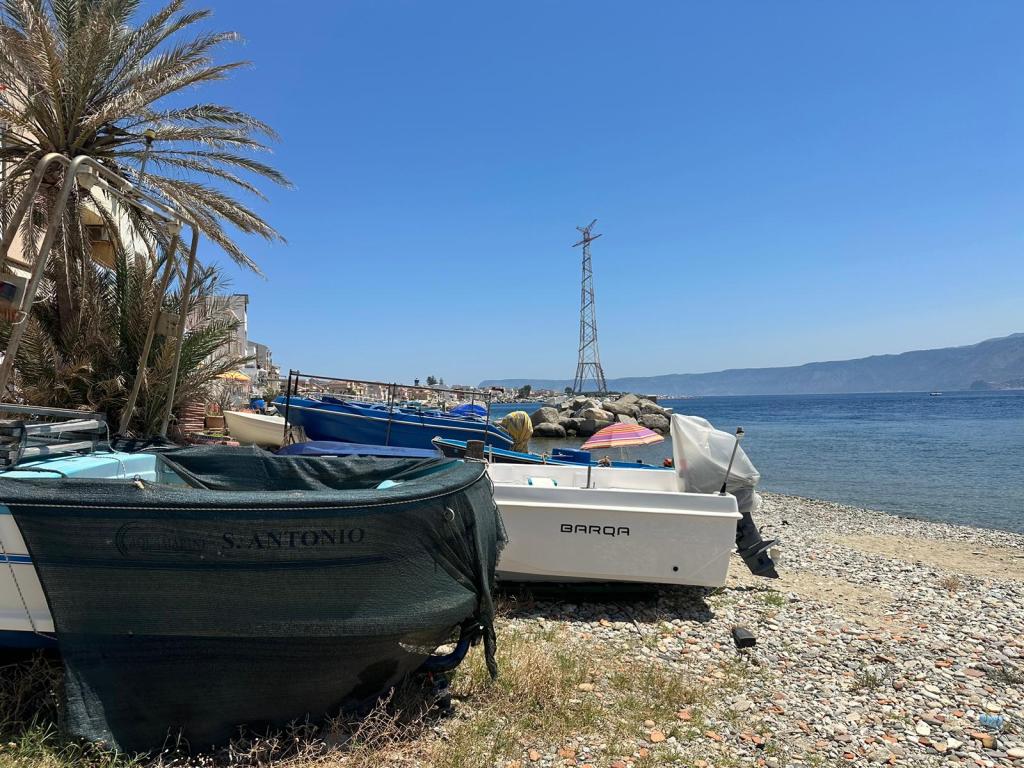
x=621, y=436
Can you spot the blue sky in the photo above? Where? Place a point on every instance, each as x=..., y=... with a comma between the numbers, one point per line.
x=776, y=183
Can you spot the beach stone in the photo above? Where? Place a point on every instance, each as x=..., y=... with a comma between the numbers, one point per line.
x=549, y=430
x=628, y=399
x=741, y=705
x=1016, y=753
x=621, y=419
x=596, y=413
x=544, y=415
x=655, y=422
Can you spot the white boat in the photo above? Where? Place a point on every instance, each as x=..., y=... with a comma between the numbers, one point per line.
x=255, y=428
x=620, y=524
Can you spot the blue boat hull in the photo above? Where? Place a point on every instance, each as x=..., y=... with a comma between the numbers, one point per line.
x=354, y=423
x=456, y=449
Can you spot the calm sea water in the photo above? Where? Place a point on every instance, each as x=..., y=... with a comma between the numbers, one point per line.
x=956, y=458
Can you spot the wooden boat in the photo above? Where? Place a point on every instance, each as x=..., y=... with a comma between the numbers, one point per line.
x=255, y=428
x=238, y=587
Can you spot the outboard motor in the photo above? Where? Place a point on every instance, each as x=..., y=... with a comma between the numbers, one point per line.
x=711, y=461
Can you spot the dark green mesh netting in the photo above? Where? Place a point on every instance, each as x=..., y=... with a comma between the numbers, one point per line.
x=269, y=588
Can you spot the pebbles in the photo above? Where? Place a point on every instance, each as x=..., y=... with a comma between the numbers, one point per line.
x=884, y=643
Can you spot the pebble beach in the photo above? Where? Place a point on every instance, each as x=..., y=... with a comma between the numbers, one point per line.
x=886, y=641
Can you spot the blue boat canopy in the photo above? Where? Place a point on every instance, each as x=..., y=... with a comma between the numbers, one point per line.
x=469, y=409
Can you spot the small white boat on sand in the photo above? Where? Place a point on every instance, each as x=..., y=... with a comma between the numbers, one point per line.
x=255, y=428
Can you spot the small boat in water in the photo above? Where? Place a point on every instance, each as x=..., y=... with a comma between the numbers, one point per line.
x=351, y=421
x=255, y=428
x=196, y=590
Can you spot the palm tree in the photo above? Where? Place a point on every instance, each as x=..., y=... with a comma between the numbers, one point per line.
x=86, y=368
x=78, y=78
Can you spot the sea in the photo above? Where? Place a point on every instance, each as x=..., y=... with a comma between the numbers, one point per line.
x=956, y=458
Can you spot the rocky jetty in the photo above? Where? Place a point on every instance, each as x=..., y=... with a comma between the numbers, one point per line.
x=582, y=416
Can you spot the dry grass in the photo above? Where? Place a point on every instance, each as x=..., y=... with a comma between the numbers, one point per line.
x=951, y=583
x=536, y=703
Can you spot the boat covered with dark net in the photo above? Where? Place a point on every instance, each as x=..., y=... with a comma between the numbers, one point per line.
x=260, y=590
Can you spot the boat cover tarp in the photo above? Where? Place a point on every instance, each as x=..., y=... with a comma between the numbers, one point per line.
x=469, y=409
x=519, y=425
x=273, y=588
x=702, y=456
x=334, y=448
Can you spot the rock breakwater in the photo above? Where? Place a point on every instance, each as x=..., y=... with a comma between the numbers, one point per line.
x=582, y=416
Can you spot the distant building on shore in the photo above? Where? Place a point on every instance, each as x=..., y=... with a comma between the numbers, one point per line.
x=259, y=365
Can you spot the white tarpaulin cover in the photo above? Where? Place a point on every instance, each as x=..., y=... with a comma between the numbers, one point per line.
x=701, y=455
x=702, y=458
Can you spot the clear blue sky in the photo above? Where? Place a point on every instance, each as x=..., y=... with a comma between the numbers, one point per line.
x=776, y=182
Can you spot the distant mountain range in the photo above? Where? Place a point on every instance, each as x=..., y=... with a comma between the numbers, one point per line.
x=992, y=364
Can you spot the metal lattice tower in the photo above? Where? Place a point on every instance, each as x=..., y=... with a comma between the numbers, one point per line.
x=589, y=365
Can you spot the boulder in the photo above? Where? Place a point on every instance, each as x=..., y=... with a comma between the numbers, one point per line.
x=629, y=400
x=646, y=406
x=588, y=427
x=570, y=425
x=545, y=415
x=655, y=421
x=617, y=407
x=547, y=429
x=595, y=413
x=578, y=402
x=625, y=419
x=557, y=402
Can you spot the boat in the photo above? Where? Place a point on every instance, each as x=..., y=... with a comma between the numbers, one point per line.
x=331, y=418
x=457, y=449
x=935, y=394
x=469, y=409
x=610, y=524
x=255, y=428
x=628, y=524
x=201, y=589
